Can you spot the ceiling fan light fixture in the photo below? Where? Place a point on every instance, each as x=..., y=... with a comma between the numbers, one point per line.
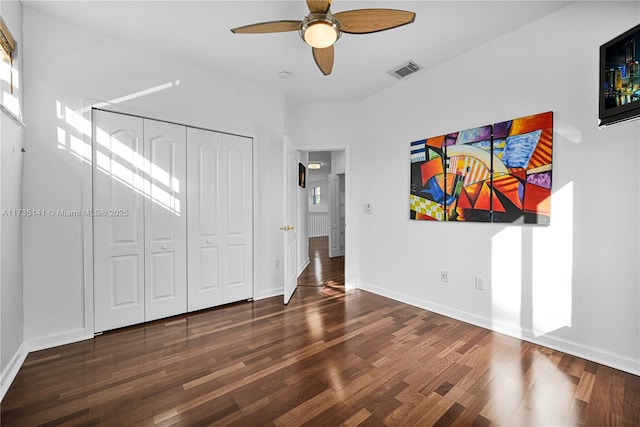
x=320, y=30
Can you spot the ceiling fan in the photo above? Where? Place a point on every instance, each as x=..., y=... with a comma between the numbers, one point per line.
x=320, y=29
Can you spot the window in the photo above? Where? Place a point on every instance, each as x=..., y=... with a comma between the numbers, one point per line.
x=8, y=74
x=316, y=195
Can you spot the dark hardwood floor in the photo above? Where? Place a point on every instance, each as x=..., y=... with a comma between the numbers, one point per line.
x=326, y=359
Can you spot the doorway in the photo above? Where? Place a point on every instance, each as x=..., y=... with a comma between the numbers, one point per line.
x=326, y=218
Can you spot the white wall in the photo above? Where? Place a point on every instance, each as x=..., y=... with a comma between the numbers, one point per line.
x=68, y=66
x=11, y=157
x=573, y=285
x=338, y=159
x=584, y=300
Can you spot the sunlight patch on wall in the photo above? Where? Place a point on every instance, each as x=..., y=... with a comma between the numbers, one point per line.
x=9, y=74
x=80, y=148
x=572, y=133
x=132, y=96
x=552, y=264
x=116, y=160
x=506, y=276
x=12, y=104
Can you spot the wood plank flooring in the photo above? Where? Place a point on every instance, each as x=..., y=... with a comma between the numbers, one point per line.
x=326, y=359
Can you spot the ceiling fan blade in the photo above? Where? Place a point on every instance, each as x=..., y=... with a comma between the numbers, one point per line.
x=268, y=27
x=316, y=6
x=324, y=59
x=363, y=21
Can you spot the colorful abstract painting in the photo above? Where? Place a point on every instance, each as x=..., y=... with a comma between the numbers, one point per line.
x=494, y=173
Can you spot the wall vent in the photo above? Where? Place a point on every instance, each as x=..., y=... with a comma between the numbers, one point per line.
x=405, y=69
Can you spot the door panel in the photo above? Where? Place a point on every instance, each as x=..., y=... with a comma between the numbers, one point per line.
x=124, y=281
x=165, y=220
x=204, y=211
x=236, y=163
x=163, y=276
x=209, y=264
x=207, y=184
x=220, y=218
x=236, y=267
x=118, y=240
x=334, y=215
x=237, y=187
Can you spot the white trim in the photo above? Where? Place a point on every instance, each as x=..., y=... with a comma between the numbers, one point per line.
x=13, y=367
x=254, y=217
x=69, y=337
x=10, y=114
x=269, y=293
x=87, y=232
x=604, y=357
x=301, y=269
x=11, y=370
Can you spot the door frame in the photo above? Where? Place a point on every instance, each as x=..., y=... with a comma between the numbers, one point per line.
x=87, y=204
x=349, y=261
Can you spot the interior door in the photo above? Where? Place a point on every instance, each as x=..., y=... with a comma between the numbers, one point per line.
x=334, y=215
x=219, y=218
x=290, y=218
x=165, y=219
x=237, y=217
x=118, y=221
x=204, y=218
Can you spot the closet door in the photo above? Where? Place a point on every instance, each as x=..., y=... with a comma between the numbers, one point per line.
x=220, y=218
x=118, y=222
x=237, y=215
x=165, y=220
x=204, y=217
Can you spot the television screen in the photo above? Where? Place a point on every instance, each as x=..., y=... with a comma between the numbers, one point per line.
x=620, y=78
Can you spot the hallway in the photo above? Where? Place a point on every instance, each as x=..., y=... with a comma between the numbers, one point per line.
x=322, y=271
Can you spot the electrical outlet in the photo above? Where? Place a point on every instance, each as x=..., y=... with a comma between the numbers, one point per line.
x=479, y=283
x=444, y=276
x=277, y=263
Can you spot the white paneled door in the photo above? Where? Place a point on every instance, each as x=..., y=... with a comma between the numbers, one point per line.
x=220, y=218
x=334, y=215
x=290, y=244
x=119, y=220
x=173, y=224
x=165, y=219
x=237, y=217
x=204, y=160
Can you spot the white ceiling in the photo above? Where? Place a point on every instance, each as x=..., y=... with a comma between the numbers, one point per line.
x=324, y=157
x=198, y=31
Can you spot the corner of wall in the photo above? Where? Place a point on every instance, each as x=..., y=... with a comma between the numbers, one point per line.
x=11, y=370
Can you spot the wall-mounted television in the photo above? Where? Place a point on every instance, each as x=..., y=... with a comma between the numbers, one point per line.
x=620, y=78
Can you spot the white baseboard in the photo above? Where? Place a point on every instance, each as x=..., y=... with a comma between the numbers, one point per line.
x=10, y=372
x=306, y=263
x=41, y=343
x=593, y=354
x=268, y=293
x=35, y=344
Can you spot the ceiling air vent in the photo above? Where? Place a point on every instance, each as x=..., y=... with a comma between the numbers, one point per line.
x=404, y=70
